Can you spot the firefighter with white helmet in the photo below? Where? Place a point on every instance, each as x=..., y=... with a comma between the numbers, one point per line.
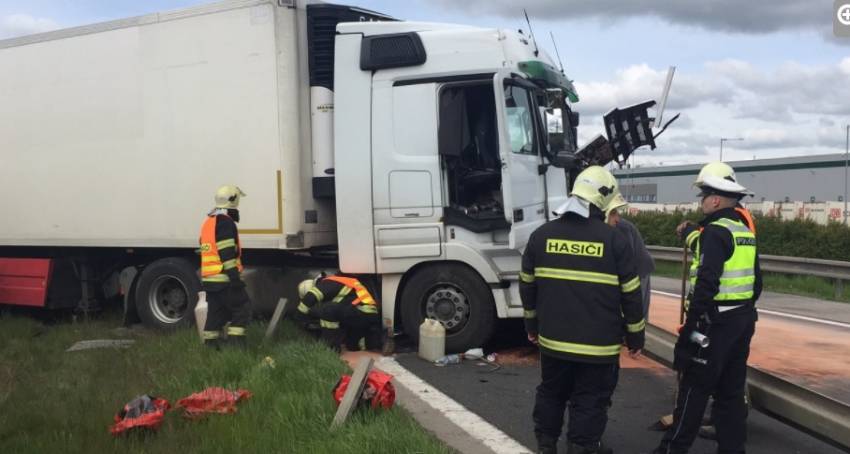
x=581, y=297
x=725, y=282
x=221, y=269
x=345, y=308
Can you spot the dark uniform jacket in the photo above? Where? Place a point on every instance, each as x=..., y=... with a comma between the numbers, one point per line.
x=716, y=246
x=580, y=290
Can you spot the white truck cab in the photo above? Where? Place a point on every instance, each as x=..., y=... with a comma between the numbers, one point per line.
x=440, y=138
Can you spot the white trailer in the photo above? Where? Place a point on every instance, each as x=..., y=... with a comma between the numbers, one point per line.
x=414, y=153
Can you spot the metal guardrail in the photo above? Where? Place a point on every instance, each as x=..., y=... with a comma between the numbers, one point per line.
x=807, y=410
x=833, y=269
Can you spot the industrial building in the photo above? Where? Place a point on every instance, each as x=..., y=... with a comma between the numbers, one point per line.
x=817, y=178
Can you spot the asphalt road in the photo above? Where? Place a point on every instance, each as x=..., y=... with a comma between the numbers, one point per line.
x=505, y=399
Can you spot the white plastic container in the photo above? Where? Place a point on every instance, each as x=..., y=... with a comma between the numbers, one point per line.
x=432, y=340
x=201, y=313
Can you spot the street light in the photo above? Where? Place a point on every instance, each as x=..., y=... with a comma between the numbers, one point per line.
x=725, y=139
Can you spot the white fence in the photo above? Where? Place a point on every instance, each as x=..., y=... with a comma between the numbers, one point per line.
x=820, y=212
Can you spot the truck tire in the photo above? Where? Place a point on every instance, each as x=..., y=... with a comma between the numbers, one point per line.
x=455, y=295
x=166, y=293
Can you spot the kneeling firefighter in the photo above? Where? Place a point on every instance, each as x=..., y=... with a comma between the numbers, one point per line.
x=345, y=309
x=221, y=269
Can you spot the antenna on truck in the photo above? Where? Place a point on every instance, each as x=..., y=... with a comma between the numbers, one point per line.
x=556, y=51
x=536, y=51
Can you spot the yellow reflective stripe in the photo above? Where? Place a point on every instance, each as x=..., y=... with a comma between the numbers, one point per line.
x=229, y=264
x=529, y=314
x=328, y=325
x=235, y=331
x=691, y=237
x=317, y=293
x=211, y=268
x=226, y=243
x=580, y=349
x=210, y=335
x=631, y=285
x=303, y=308
x=576, y=275
x=636, y=327
x=216, y=278
x=526, y=277
x=210, y=259
x=342, y=294
x=368, y=308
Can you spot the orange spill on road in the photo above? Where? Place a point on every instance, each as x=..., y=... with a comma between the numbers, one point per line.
x=813, y=355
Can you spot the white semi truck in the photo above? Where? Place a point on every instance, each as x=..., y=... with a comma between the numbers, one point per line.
x=414, y=153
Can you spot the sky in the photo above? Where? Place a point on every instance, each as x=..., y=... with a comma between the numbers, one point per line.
x=767, y=71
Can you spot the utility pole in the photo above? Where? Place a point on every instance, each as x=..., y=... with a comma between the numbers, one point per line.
x=846, y=156
x=725, y=139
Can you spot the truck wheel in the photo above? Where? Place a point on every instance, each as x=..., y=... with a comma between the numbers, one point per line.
x=456, y=296
x=166, y=293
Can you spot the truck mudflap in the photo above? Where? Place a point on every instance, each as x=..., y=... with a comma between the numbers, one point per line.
x=24, y=282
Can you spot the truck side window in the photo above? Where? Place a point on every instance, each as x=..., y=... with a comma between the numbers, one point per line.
x=520, y=120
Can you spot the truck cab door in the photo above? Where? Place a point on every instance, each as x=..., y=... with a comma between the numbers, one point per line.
x=523, y=188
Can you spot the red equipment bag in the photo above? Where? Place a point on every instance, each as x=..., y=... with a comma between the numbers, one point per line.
x=212, y=400
x=378, y=389
x=143, y=412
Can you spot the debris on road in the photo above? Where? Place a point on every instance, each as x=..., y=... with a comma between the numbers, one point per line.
x=379, y=390
x=212, y=400
x=143, y=412
x=101, y=343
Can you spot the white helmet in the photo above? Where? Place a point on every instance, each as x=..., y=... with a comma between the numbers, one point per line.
x=720, y=177
x=228, y=196
x=595, y=185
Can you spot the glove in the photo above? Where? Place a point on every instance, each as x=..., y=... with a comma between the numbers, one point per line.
x=635, y=341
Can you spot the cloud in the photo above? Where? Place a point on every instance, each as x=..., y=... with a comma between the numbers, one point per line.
x=750, y=17
x=24, y=24
x=638, y=83
x=791, y=89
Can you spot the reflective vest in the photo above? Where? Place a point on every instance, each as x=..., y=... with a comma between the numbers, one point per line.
x=739, y=276
x=211, y=266
x=363, y=300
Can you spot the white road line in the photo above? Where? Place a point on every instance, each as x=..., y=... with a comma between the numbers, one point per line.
x=778, y=314
x=472, y=424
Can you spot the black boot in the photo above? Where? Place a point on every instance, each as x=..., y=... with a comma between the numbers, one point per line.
x=238, y=342
x=546, y=445
x=598, y=448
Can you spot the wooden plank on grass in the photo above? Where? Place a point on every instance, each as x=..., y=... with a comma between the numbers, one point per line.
x=278, y=312
x=353, y=392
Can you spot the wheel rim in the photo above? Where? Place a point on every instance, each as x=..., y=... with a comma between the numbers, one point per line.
x=448, y=304
x=168, y=299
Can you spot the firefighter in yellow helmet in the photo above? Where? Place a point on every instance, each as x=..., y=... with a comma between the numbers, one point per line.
x=725, y=282
x=221, y=269
x=346, y=311
x=581, y=297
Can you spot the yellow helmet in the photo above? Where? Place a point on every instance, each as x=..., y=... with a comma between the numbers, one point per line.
x=595, y=185
x=720, y=177
x=305, y=287
x=228, y=196
x=616, y=203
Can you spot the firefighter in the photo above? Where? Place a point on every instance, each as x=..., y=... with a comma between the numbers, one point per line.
x=725, y=282
x=221, y=268
x=346, y=311
x=581, y=296
x=643, y=260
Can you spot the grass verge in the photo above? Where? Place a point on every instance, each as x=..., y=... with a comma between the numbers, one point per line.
x=812, y=286
x=53, y=401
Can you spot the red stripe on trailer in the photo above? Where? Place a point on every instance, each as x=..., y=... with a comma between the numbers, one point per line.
x=24, y=282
